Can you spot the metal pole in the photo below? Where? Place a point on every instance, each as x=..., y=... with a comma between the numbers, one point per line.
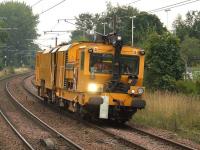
x=132, y=41
x=56, y=41
x=132, y=32
x=5, y=60
x=114, y=23
x=167, y=11
x=104, y=28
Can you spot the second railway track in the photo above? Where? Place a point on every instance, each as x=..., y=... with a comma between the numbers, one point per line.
x=35, y=133
x=86, y=136
x=146, y=140
x=124, y=135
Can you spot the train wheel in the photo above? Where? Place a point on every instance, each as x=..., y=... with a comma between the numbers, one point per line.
x=45, y=100
x=39, y=91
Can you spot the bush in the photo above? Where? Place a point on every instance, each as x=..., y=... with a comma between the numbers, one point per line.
x=198, y=86
x=1, y=66
x=163, y=61
x=188, y=87
x=11, y=70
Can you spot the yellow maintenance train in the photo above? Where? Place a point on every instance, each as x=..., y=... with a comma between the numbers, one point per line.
x=94, y=79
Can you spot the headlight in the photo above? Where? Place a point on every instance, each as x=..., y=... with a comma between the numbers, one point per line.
x=92, y=87
x=119, y=38
x=132, y=91
x=140, y=91
x=142, y=52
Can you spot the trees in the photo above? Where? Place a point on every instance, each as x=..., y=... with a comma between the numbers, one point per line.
x=190, y=46
x=163, y=50
x=119, y=18
x=188, y=27
x=188, y=31
x=85, y=23
x=164, y=61
x=22, y=24
x=146, y=24
x=3, y=37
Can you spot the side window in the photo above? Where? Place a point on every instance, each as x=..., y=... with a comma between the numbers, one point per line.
x=82, y=60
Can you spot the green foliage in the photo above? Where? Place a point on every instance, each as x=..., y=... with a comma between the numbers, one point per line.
x=190, y=46
x=198, y=86
x=186, y=87
x=163, y=61
x=188, y=27
x=144, y=24
x=80, y=35
x=22, y=22
x=10, y=70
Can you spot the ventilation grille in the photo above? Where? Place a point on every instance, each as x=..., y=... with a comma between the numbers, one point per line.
x=66, y=58
x=65, y=82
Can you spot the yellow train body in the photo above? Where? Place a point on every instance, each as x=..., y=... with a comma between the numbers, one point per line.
x=65, y=75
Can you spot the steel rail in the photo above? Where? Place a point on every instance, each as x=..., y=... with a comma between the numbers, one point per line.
x=16, y=131
x=125, y=141
x=171, y=142
x=117, y=137
x=42, y=122
x=7, y=119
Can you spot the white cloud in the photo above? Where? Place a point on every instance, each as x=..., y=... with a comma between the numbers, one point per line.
x=69, y=9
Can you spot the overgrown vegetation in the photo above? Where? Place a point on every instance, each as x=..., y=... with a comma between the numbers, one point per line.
x=176, y=112
x=164, y=65
x=188, y=87
x=16, y=38
x=11, y=70
x=144, y=24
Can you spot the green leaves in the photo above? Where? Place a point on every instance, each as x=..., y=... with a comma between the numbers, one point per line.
x=144, y=24
x=22, y=23
x=188, y=27
x=164, y=61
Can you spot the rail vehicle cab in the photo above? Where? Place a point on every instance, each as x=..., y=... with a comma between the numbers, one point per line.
x=101, y=80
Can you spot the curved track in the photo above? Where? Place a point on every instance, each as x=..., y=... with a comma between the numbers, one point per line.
x=103, y=140
x=165, y=140
x=126, y=129
x=16, y=131
x=35, y=133
x=26, y=144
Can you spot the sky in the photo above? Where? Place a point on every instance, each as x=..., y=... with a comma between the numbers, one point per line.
x=71, y=8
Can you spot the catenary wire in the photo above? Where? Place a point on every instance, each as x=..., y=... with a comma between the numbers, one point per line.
x=52, y=7
x=36, y=3
x=133, y=2
x=173, y=5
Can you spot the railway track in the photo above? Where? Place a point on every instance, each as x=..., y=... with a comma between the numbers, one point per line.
x=116, y=141
x=10, y=134
x=34, y=133
x=165, y=140
x=126, y=129
x=16, y=131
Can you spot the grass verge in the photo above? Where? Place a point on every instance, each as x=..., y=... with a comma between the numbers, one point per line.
x=11, y=70
x=175, y=112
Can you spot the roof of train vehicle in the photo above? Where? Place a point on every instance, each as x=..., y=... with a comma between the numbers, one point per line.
x=65, y=47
